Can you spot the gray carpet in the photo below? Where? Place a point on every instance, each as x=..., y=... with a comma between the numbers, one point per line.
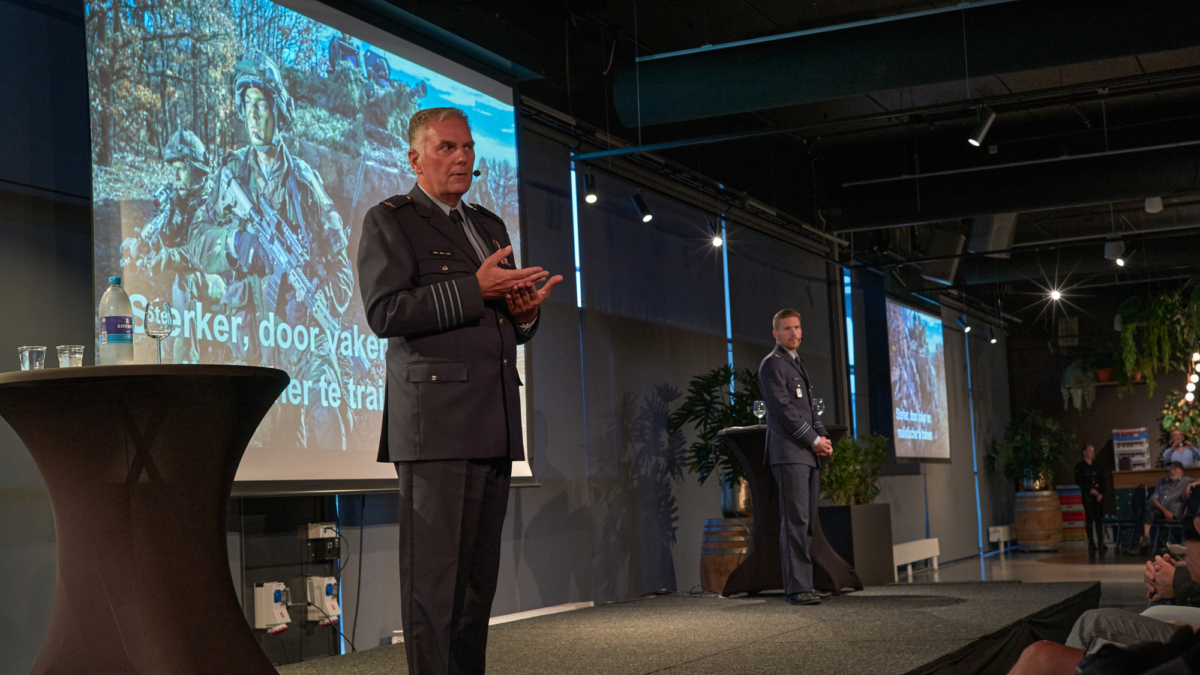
x=883, y=630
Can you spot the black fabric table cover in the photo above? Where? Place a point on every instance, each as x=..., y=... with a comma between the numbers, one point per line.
x=139, y=462
x=760, y=570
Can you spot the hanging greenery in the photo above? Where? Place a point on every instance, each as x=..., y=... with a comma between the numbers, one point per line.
x=1159, y=334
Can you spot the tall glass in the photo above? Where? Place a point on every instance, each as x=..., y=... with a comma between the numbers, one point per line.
x=159, y=323
x=760, y=411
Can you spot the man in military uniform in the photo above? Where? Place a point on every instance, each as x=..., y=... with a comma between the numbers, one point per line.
x=795, y=440
x=439, y=282
x=252, y=183
x=157, y=249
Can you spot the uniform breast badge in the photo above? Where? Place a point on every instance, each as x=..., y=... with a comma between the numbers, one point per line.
x=799, y=391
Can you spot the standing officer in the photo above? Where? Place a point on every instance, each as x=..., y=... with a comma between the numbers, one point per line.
x=795, y=439
x=438, y=281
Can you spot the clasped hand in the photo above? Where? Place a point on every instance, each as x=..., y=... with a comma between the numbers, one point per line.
x=517, y=286
x=824, y=447
x=1160, y=578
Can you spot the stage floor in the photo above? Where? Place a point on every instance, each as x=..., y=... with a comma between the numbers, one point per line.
x=882, y=630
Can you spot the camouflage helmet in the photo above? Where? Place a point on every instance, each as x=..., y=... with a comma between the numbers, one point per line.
x=187, y=147
x=257, y=70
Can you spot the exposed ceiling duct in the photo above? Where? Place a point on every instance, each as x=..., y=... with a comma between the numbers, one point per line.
x=1069, y=266
x=1020, y=187
x=921, y=49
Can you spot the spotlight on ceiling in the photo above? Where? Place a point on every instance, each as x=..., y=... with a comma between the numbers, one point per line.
x=642, y=209
x=717, y=241
x=1055, y=294
x=589, y=188
x=715, y=236
x=1114, y=249
x=991, y=335
x=964, y=323
x=986, y=118
x=1153, y=204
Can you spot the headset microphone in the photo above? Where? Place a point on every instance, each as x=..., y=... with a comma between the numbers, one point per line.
x=475, y=173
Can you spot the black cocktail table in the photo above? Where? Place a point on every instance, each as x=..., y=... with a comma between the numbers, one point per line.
x=139, y=463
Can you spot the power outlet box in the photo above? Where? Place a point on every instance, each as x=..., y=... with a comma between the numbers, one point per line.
x=270, y=606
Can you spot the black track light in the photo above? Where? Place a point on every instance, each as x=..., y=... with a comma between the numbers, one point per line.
x=986, y=117
x=589, y=189
x=991, y=335
x=964, y=323
x=642, y=209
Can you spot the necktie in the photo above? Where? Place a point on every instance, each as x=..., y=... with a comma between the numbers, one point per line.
x=472, y=234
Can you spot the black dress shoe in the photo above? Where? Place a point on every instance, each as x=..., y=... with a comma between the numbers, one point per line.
x=821, y=594
x=805, y=598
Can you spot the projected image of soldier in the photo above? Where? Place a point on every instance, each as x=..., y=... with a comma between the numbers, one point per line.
x=272, y=226
x=157, y=249
x=342, y=48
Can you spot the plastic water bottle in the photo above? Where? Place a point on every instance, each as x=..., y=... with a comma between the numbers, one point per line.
x=116, y=325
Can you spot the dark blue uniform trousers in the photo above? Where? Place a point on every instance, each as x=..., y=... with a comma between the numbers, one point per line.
x=451, y=517
x=798, y=493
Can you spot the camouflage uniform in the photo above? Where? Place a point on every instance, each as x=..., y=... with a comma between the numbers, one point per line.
x=164, y=255
x=297, y=194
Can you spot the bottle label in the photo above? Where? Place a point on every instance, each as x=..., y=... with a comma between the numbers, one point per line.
x=116, y=330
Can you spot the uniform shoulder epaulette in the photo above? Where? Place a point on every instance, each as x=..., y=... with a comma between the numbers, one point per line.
x=397, y=202
x=487, y=213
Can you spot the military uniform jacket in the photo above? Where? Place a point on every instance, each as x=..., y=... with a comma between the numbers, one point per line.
x=452, y=384
x=792, y=425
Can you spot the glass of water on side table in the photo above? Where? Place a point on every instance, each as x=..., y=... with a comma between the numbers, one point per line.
x=760, y=411
x=32, y=358
x=159, y=323
x=819, y=406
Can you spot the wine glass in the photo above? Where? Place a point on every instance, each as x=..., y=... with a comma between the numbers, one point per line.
x=819, y=406
x=760, y=410
x=159, y=323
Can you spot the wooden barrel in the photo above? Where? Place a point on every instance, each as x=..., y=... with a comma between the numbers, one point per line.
x=1039, y=521
x=724, y=547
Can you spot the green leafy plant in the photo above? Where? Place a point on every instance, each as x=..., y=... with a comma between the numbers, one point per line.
x=851, y=475
x=1033, y=446
x=711, y=407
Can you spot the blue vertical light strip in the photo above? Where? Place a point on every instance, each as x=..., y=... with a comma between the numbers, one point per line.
x=974, y=451
x=728, y=313
x=575, y=233
x=337, y=509
x=850, y=353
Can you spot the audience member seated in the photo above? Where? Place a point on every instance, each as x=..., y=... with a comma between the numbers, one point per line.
x=1163, y=640
x=1181, y=451
x=1165, y=503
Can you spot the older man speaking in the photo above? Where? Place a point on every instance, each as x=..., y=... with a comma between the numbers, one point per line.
x=439, y=282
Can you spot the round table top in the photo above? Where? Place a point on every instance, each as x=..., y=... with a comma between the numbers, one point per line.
x=22, y=378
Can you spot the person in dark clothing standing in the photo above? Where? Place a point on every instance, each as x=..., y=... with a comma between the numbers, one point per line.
x=1090, y=479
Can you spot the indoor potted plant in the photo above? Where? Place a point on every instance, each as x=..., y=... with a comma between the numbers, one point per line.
x=709, y=408
x=860, y=531
x=1032, y=448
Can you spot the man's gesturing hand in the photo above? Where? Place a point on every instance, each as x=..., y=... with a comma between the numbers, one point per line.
x=526, y=298
x=496, y=282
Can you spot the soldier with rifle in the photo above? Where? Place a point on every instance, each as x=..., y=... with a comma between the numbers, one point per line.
x=157, y=249
x=274, y=228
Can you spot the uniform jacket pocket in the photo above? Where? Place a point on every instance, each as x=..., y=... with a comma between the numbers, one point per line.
x=437, y=372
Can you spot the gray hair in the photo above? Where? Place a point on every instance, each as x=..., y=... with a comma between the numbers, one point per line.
x=418, y=125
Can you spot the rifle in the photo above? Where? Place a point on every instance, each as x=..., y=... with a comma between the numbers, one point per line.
x=287, y=253
x=163, y=200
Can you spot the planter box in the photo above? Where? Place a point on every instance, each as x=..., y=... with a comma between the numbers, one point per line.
x=862, y=535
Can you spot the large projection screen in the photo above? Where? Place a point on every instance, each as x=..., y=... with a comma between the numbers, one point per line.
x=328, y=143
x=918, y=364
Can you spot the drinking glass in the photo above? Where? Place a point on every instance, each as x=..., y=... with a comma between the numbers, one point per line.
x=32, y=358
x=819, y=406
x=760, y=410
x=70, y=356
x=159, y=323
